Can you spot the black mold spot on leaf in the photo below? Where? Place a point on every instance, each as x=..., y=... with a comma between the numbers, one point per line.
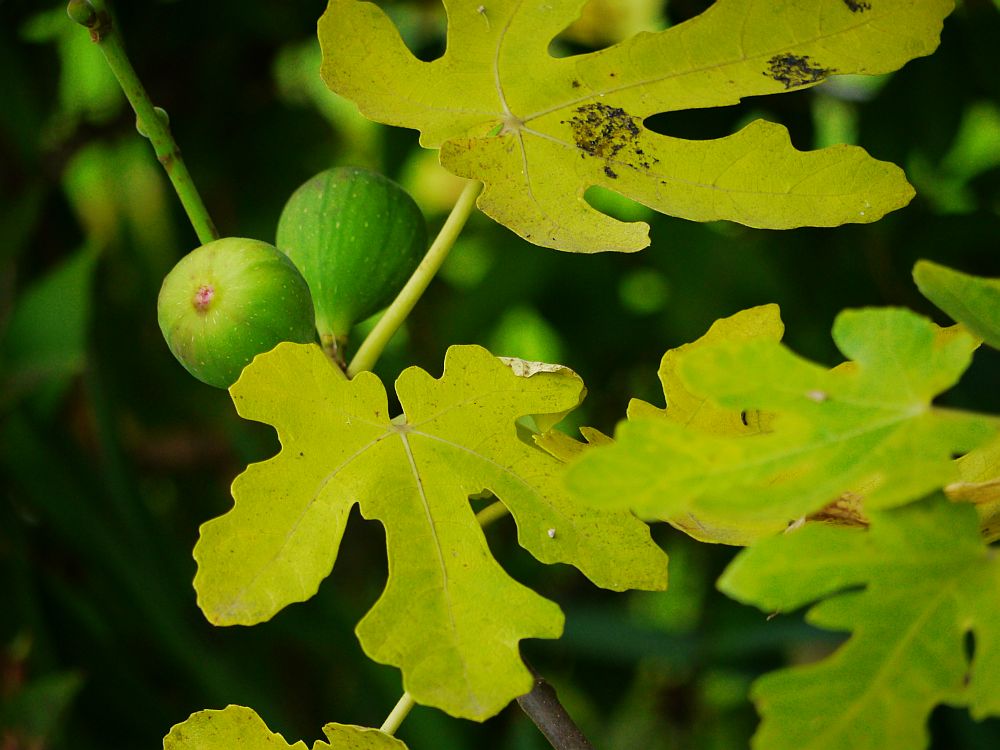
x=796, y=70
x=609, y=133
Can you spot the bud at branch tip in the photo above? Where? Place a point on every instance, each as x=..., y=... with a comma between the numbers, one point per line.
x=82, y=12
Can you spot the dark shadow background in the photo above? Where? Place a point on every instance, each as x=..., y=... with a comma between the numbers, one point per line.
x=111, y=456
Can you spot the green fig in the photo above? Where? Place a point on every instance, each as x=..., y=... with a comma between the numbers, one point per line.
x=356, y=236
x=228, y=301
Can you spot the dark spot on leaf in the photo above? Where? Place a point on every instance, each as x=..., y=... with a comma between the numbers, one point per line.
x=301, y=453
x=796, y=70
x=610, y=134
x=743, y=419
x=612, y=74
x=858, y=6
x=575, y=84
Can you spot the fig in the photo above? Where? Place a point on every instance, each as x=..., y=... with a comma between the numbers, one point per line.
x=229, y=300
x=356, y=236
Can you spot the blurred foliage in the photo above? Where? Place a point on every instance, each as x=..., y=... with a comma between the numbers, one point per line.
x=111, y=456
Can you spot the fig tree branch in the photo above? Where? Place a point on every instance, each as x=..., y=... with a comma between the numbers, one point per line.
x=150, y=121
x=543, y=707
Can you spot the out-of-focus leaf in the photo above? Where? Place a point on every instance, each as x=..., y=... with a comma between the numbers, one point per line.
x=697, y=412
x=34, y=712
x=690, y=410
x=46, y=337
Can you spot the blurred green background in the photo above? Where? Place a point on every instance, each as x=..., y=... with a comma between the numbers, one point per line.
x=111, y=455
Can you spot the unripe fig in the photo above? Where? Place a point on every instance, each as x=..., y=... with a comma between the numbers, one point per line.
x=229, y=300
x=356, y=236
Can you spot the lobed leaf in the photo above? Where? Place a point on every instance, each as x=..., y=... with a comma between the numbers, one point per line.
x=866, y=426
x=438, y=618
x=239, y=727
x=695, y=411
x=927, y=582
x=972, y=301
x=539, y=130
x=690, y=410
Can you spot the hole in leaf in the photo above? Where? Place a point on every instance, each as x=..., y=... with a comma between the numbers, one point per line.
x=793, y=110
x=421, y=25
x=603, y=23
x=969, y=646
x=616, y=205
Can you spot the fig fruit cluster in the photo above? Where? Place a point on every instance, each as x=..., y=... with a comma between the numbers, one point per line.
x=357, y=237
x=347, y=241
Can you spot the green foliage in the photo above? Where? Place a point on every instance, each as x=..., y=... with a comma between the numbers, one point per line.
x=238, y=727
x=970, y=300
x=91, y=555
x=866, y=428
x=694, y=411
x=539, y=130
x=30, y=717
x=928, y=582
x=45, y=340
x=437, y=619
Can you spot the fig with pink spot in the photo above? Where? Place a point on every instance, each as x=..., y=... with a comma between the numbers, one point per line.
x=228, y=301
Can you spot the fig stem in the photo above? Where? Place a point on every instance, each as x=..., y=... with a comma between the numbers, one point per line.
x=150, y=123
x=373, y=345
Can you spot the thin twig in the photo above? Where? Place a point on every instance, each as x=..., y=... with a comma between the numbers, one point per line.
x=400, y=712
x=150, y=121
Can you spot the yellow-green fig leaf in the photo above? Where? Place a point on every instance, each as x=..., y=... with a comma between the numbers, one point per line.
x=915, y=590
x=236, y=727
x=539, y=130
x=865, y=426
x=450, y=617
x=973, y=301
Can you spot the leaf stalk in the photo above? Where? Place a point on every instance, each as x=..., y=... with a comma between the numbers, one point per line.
x=376, y=341
x=400, y=712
